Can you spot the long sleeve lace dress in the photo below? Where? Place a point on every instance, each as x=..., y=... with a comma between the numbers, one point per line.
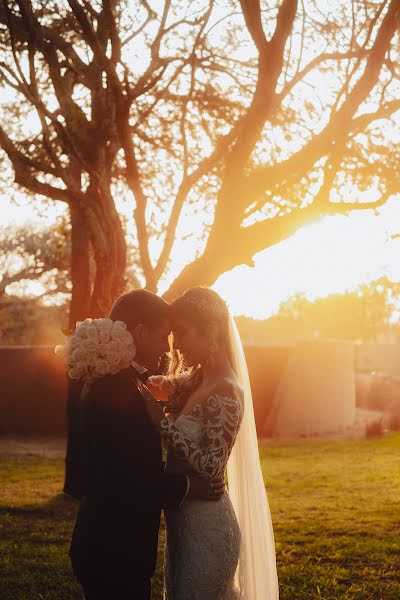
x=203, y=537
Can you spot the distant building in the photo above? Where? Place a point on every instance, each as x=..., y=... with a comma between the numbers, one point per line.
x=380, y=358
x=316, y=391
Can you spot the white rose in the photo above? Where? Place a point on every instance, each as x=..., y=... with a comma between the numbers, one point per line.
x=119, y=325
x=104, y=324
x=74, y=341
x=119, y=347
x=103, y=349
x=104, y=336
x=114, y=359
x=74, y=373
x=60, y=351
x=118, y=334
x=131, y=347
x=127, y=338
x=78, y=371
x=90, y=345
x=80, y=331
x=111, y=348
x=78, y=355
x=91, y=332
x=102, y=367
x=67, y=349
x=127, y=356
x=91, y=359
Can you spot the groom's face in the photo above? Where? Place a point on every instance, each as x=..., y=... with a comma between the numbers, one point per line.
x=151, y=343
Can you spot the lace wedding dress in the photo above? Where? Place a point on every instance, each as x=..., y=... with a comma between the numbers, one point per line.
x=220, y=550
x=203, y=537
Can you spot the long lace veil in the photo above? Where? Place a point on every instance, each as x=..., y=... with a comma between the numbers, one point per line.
x=256, y=576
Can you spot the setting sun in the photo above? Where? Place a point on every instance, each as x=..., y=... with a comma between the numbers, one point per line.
x=334, y=255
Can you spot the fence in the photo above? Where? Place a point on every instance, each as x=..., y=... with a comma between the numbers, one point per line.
x=33, y=387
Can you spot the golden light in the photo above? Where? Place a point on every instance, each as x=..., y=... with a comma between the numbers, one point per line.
x=332, y=255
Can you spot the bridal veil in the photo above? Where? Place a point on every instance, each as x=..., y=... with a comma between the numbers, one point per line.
x=256, y=576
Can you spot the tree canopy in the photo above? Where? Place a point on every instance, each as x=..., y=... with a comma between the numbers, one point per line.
x=363, y=314
x=29, y=253
x=247, y=119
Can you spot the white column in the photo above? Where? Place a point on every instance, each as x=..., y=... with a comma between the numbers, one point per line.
x=316, y=393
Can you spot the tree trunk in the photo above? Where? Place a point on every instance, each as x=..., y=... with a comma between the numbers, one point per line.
x=80, y=271
x=220, y=256
x=109, y=248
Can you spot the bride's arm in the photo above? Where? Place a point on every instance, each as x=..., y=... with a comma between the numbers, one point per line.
x=222, y=418
x=160, y=386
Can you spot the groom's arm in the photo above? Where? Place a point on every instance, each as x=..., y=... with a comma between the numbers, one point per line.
x=173, y=489
x=126, y=457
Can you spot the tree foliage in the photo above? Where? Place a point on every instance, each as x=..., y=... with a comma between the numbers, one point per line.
x=30, y=253
x=27, y=321
x=363, y=314
x=252, y=118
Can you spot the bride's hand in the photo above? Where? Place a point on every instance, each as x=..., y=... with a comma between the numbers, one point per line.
x=160, y=387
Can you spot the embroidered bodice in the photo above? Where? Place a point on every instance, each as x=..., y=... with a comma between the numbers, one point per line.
x=204, y=437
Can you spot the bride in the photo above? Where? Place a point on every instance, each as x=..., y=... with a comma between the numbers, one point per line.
x=224, y=549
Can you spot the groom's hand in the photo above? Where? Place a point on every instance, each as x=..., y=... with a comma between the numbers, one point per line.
x=205, y=489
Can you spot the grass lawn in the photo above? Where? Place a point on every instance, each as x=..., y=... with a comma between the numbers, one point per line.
x=335, y=507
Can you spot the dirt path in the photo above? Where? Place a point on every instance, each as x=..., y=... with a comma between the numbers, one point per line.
x=44, y=446
x=55, y=447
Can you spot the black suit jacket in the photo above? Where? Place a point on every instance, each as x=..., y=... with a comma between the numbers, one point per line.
x=124, y=484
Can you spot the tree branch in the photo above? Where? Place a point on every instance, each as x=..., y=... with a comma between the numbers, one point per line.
x=23, y=176
x=339, y=125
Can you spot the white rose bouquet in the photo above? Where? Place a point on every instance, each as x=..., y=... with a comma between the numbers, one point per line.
x=98, y=347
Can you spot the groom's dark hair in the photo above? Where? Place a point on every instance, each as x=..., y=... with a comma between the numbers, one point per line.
x=139, y=306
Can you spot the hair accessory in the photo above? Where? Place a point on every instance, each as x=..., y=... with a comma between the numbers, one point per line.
x=218, y=310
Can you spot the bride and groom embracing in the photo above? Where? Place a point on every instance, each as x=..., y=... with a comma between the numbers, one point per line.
x=219, y=541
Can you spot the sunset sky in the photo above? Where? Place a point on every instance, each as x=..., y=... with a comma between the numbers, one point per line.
x=333, y=255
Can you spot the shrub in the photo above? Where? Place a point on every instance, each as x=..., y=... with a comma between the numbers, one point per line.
x=374, y=428
x=377, y=391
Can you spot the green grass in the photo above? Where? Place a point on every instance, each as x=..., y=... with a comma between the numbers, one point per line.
x=335, y=507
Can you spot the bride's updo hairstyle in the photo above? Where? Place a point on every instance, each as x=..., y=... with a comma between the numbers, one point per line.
x=202, y=307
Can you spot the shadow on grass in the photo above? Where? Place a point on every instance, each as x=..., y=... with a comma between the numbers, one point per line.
x=58, y=503
x=34, y=543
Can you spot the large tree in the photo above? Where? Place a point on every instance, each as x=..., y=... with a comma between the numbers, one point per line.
x=251, y=117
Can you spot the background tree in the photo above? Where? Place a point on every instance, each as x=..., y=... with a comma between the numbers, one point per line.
x=30, y=253
x=362, y=314
x=27, y=321
x=253, y=118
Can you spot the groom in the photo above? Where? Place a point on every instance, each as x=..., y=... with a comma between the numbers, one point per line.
x=114, y=542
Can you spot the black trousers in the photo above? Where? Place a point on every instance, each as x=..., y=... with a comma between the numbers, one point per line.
x=106, y=587
x=107, y=577
x=104, y=564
